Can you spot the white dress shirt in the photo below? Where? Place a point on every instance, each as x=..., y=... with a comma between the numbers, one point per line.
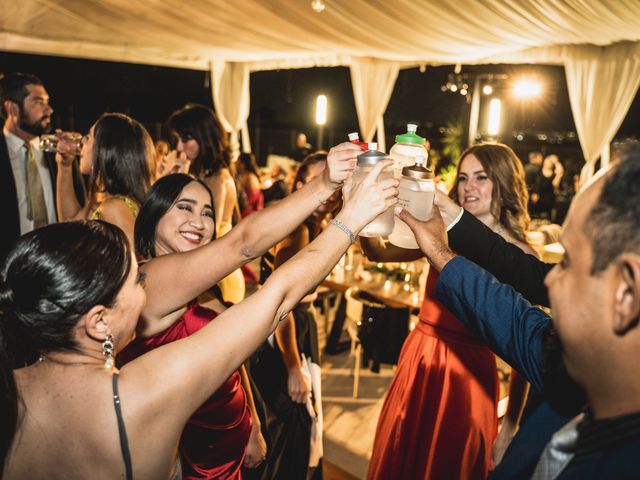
x=17, y=153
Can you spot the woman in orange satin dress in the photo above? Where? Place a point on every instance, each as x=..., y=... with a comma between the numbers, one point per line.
x=439, y=419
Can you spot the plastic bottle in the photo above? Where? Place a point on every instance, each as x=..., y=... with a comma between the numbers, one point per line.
x=408, y=146
x=355, y=138
x=416, y=192
x=382, y=225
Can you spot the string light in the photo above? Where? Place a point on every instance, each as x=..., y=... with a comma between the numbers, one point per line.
x=318, y=6
x=456, y=83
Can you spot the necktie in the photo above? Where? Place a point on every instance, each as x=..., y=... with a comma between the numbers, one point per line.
x=36, y=206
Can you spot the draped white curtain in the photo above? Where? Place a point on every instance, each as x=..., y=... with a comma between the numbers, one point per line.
x=372, y=81
x=602, y=83
x=230, y=85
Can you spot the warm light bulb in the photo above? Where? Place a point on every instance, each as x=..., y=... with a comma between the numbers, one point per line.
x=321, y=110
x=487, y=89
x=318, y=6
x=527, y=88
x=494, y=116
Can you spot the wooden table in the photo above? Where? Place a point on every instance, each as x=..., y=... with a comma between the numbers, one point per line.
x=389, y=292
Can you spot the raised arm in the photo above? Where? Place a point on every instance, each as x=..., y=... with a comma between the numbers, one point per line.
x=173, y=280
x=286, y=330
x=162, y=388
x=67, y=203
x=474, y=240
x=506, y=322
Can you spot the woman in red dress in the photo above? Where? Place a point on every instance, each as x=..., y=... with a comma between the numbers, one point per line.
x=249, y=179
x=224, y=433
x=439, y=419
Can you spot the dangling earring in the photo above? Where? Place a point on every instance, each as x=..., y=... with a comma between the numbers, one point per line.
x=107, y=351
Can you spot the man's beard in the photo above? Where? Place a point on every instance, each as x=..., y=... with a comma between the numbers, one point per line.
x=35, y=128
x=560, y=390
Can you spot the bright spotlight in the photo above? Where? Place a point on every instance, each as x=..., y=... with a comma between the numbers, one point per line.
x=321, y=110
x=526, y=88
x=487, y=89
x=494, y=116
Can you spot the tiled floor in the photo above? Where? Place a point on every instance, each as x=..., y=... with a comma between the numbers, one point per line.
x=350, y=423
x=331, y=472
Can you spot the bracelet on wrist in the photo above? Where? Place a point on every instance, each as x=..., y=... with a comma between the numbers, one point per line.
x=344, y=228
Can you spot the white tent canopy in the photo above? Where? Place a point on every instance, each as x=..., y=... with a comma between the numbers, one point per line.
x=596, y=40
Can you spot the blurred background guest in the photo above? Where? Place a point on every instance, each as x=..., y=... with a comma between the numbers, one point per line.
x=118, y=156
x=301, y=149
x=205, y=143
x=249, y=178
x=567, y=189
x=547, y=185
x=286, y=368
x=531, y=173
x=162, y=148
x=250, y=199
x=275, y=186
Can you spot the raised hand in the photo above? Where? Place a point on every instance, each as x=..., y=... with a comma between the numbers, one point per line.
x=370, y=198
x=430, y=235
x=448, y=208
x=69, y=145
x=341, y=161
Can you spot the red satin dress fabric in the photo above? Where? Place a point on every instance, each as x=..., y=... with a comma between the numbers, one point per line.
x=439, y=419
x=255, y=201
x=214, y=441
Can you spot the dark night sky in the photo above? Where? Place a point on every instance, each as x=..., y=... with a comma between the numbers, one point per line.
x=283, y=102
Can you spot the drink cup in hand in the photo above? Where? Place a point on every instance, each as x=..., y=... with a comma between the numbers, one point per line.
x=371, y=197
x=65, y=143
x=173, y=162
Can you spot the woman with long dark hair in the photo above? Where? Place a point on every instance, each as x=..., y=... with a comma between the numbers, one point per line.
x=224, y=433
x=201, y=137
x=72, y=292
x=118, y=156
x=439, y=418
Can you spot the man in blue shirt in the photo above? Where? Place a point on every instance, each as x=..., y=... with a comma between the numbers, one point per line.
x=595, y=297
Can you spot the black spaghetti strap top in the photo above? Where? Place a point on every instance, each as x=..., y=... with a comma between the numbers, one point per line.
x=122, y=431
